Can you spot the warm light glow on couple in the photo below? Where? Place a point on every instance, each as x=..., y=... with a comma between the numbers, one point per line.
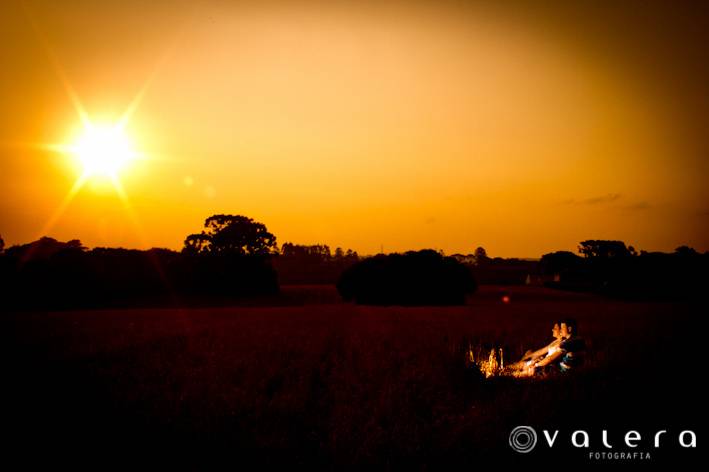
x=560, y=355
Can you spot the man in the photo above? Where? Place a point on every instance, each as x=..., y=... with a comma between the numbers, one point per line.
x=567, y=354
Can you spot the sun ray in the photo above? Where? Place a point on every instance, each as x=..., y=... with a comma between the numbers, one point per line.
x=53, y=147
x=140, y=231
x=138, y=98
x=132, y=216
x=56, y=66
x=135, y=103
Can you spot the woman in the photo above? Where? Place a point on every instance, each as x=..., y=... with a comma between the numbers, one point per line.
x=526, y=366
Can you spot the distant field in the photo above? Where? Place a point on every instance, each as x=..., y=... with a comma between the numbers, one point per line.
x=318, y=382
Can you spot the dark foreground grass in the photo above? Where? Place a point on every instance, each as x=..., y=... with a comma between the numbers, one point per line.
x=337, y=385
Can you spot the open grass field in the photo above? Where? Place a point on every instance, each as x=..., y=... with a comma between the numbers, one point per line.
x=312, y=381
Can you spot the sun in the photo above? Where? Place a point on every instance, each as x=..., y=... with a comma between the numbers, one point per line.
x=103, y=150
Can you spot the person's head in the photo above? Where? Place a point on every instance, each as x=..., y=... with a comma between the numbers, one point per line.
x=568, y=328
x=556, y=331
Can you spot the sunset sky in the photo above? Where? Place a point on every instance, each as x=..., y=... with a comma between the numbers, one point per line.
x=363, y=125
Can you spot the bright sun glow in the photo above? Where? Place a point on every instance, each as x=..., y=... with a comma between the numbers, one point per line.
x=103, y=150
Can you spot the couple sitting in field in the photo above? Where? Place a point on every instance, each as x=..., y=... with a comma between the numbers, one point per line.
x=560, y=355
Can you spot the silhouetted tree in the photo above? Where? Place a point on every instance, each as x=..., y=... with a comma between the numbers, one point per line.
x=44, y=248
x=686, y=251
x=317, y=251
x=196, y=243
x=231, y=234
x=231, y=256
x=2, y=244
x=480, y=255
x=602, y=249
x=559, y=261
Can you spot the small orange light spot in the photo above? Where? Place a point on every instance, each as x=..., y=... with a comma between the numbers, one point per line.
x=505, y=299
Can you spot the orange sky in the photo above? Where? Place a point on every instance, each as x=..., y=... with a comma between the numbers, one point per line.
x=402, y=125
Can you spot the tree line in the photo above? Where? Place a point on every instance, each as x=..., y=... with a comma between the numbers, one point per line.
x=611, y=268
x=234, y=256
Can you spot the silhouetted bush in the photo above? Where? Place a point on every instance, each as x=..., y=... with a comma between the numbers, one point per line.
x=413, y=278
